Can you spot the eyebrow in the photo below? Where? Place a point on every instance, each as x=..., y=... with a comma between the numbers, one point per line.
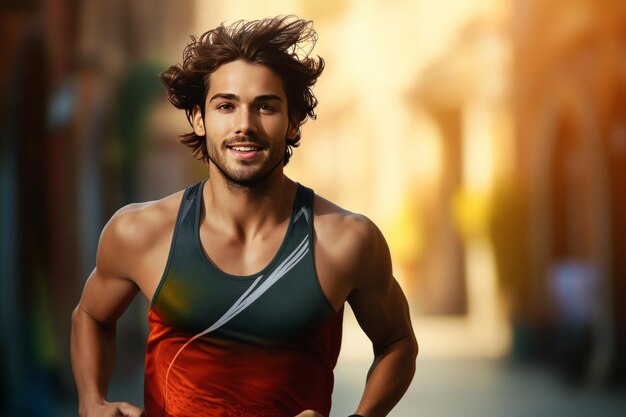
x=235, y=97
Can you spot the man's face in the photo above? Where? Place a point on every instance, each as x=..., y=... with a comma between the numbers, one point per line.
x=245, y=121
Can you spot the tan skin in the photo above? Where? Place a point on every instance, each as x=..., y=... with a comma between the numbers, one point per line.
x=242, y=234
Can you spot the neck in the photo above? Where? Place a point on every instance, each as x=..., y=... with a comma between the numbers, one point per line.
x=247, y=209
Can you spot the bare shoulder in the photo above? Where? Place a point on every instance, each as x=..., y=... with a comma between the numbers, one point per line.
x=134, y=230
x=137, y=224
x=348, y=243
x=134, y=237
x=334, y=223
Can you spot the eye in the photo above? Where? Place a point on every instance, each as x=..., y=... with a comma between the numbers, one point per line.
x=225, y=106
x=267, y=108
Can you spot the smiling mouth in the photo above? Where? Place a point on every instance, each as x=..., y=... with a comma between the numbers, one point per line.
x=244, y=144
x=245, y=151
x=240, y=148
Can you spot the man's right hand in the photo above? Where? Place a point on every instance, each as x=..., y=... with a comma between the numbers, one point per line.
x=116, y=409
x=309, y=413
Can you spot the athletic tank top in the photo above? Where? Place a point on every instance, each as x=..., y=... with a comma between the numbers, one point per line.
x=240, y=346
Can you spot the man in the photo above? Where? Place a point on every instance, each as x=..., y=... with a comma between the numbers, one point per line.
x=247, y=271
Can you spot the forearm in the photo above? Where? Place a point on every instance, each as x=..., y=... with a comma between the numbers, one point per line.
x=388, y=378
x=93, y=355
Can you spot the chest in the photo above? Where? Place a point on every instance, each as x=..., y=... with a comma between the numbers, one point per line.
x=237, y=260
x=279, y=303
x=238, y=256
x=203, y=273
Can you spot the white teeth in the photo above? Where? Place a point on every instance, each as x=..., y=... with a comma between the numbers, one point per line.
x=244, y=148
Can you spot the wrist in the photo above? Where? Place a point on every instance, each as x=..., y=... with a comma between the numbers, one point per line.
x=87, y=404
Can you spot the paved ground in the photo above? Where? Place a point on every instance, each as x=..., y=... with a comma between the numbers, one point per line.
x=481, y=388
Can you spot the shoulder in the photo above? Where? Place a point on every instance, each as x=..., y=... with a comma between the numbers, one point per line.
x=137, y=227
x=335, y=223
x=351, y=242
x=138, y=223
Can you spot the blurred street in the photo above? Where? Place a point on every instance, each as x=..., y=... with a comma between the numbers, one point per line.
x=455, y=384
x=481, y=388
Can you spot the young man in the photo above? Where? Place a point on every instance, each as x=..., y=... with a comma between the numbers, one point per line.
x=247, y=271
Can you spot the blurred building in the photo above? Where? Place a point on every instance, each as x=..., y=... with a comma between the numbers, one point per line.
x=543, y=91
x=465, y=92
x=82, y=123
x=569, y=85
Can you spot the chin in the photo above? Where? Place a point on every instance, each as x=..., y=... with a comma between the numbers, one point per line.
x=247, y=173
x=246, y=178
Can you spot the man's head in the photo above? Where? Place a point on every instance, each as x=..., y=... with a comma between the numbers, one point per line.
x=281, y=44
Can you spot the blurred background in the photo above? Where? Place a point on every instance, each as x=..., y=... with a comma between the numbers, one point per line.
x=486, y=138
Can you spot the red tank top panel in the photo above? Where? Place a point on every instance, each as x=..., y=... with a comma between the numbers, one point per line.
x=218, y=377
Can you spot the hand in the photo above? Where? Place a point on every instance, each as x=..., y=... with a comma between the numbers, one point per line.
x=309, y=413
x=117, y=409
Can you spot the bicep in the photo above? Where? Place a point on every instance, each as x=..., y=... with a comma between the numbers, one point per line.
x=109, y=290
x=106, y=297
x=378, y=302
x=384, y=314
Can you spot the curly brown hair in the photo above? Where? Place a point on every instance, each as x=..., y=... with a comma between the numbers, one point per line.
x=282, y=43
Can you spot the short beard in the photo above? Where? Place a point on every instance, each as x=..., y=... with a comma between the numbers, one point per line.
x=245, y=182
x=240, y=181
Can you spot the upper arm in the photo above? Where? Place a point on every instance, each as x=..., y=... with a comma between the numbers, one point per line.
x=110, y=288
x=377, y=300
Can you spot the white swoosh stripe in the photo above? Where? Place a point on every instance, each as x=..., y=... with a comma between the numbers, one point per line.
x=278, y=273
x=250, y=296
x=246, y=299
x=271, y=280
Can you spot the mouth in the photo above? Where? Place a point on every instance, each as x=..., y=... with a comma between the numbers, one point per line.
x=245, y=151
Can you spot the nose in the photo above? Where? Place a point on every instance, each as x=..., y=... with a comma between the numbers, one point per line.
x=245, y=122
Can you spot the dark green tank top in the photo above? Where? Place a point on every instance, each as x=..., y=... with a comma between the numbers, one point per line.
x=230, y=346
x=278, y=303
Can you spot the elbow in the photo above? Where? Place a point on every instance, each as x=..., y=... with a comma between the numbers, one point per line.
x=411, y=347
x=79, y=319
x=82, y=317
x=415, y=348
x=76, y=314
x=407, y=346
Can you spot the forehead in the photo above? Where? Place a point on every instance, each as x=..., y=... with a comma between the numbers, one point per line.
x=246, y=80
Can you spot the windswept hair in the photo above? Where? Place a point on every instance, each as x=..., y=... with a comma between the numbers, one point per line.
x=283, y=44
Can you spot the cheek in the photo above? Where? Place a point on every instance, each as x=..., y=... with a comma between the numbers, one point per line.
x=277, y=126
x=217, y=125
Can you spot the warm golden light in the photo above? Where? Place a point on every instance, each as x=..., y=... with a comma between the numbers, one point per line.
x=375, y=152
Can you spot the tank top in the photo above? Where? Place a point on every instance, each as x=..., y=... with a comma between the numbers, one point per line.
x=226, y=345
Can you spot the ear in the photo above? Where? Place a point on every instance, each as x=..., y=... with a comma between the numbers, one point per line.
x=197, y=121
x=294, y=126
